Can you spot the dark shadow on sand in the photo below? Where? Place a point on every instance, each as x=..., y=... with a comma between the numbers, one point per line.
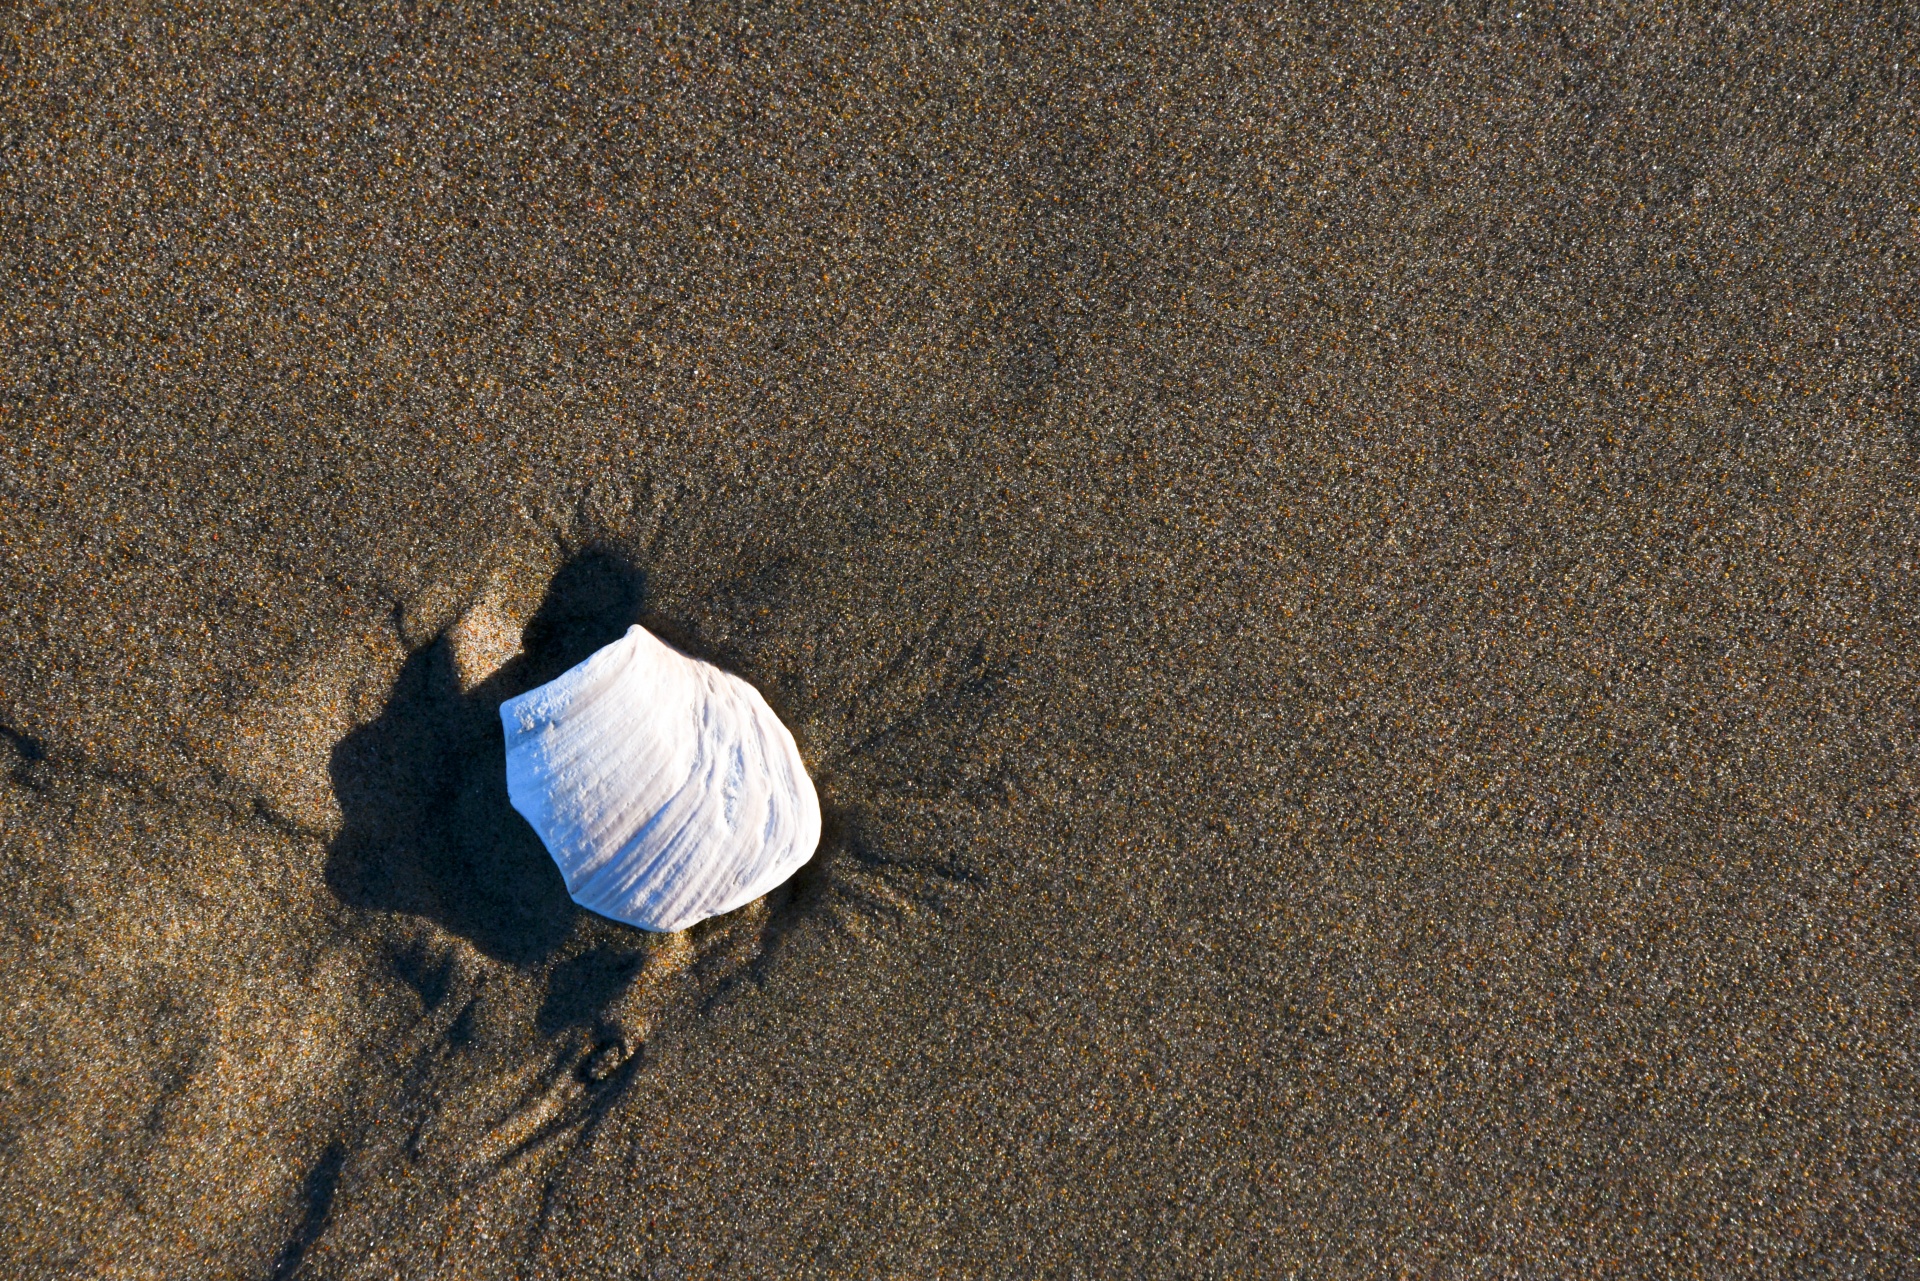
x=428, y=827
x=316, y=1198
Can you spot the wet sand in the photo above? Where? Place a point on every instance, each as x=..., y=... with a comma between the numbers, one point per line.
x=1346, y=581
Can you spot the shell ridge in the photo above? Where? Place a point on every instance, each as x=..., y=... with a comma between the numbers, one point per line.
x=615, y=875
x=638, y=753
x=640, y=756
x=676, y=812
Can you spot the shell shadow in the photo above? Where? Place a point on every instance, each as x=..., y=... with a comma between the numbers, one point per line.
x=427, y=827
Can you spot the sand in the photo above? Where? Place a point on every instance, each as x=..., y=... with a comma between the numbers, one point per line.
x=1346, y=580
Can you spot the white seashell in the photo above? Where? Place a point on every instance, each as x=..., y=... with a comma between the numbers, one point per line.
x=665, y=788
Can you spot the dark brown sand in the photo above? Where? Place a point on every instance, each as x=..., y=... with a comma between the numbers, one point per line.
x=1348, y=581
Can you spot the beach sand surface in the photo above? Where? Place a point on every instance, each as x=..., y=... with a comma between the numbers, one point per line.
x=1346, y=579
